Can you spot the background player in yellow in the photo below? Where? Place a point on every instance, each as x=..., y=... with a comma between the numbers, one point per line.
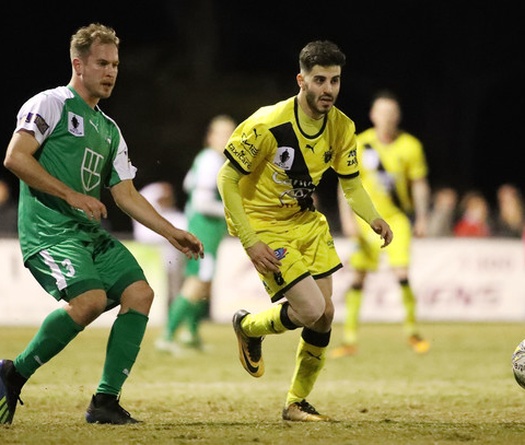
x=276, y=159
x=394, y=173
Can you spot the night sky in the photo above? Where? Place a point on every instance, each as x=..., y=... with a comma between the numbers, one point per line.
x=458, y=69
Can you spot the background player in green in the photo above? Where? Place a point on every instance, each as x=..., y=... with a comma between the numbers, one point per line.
x=394, y=172
x=205, y=215
x=64, y=150
x=276, y=159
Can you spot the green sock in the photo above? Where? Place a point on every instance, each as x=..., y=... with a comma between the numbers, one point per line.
x=123, y=347
x=55, y=333
x=195, y=316
x=177, y=313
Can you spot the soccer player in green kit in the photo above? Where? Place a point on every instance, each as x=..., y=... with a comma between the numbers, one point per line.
x=275, y=160
x=64, y=151
x=205, y=215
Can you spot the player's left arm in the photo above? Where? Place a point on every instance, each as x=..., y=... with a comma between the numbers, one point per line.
x=131, y=202
x=345, y=165
x=421, y=197
x=360, y=202
x=346, y=216
x=420, y=188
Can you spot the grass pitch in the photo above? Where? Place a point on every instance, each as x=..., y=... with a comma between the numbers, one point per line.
x=462, y=391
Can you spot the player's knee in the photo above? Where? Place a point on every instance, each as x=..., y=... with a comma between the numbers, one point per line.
x=358, y=280
x=310, y=316
x=148, y=295
x=324, y=322
x=329, y=314
x=356, y=286
x=145, y=299
x=87, y=307
x=139, y=296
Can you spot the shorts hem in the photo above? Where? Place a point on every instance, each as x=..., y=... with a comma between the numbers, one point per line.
x=76, y=289
x=280, y=295
x=328, y=273
x=115, y=291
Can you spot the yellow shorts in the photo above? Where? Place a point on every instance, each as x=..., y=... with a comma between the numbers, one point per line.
x=368, y=249
x=305, y=247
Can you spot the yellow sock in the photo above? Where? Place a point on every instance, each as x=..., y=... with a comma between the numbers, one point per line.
x=353, y=305
x=264, y=323
x=409, y=301
x=309, y=362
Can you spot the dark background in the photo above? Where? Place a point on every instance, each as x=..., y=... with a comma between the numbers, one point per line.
x=458, y=67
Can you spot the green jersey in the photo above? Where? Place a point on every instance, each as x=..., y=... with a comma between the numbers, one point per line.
x=81, y=147
x=204, y=209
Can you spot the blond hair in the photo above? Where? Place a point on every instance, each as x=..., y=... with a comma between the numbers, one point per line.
x=82, y=40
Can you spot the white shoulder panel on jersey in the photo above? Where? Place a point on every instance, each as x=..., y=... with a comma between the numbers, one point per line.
x=41, y=113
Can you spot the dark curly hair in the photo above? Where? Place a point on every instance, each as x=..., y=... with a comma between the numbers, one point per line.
x=320, y=52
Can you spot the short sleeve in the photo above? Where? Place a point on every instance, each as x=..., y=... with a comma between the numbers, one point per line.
x=345, y=161
x=40, y=115
x=248, y=146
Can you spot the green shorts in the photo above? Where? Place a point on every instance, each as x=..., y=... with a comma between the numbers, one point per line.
x=75, y=266
x=305, y=247
x=210, y=230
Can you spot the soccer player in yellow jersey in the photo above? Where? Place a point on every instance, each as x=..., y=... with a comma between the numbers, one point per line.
x=275, y=161
x=394, y=172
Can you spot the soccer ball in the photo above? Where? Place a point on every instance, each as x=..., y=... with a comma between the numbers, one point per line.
x=518, y=364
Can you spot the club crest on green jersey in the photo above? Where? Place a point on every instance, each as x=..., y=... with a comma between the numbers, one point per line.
x=75, y=124
x=91, y=166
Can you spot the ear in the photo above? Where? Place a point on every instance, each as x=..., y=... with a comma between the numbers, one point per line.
x=77, y=66
x=300, y=80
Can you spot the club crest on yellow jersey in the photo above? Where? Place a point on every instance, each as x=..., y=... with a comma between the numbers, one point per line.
x=284, y=157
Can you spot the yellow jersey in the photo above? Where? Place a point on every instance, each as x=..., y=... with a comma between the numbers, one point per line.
x=388, y=169
x=283, y=163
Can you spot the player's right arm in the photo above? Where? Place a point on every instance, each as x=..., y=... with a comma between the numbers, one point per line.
x=261, y=255
x=20, y=160
x=131, y=202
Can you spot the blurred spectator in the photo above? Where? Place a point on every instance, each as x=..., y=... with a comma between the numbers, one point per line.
x=443, y=212
x=474, y=218
x=8, y=210
x=161, y=196
x=509, y=218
